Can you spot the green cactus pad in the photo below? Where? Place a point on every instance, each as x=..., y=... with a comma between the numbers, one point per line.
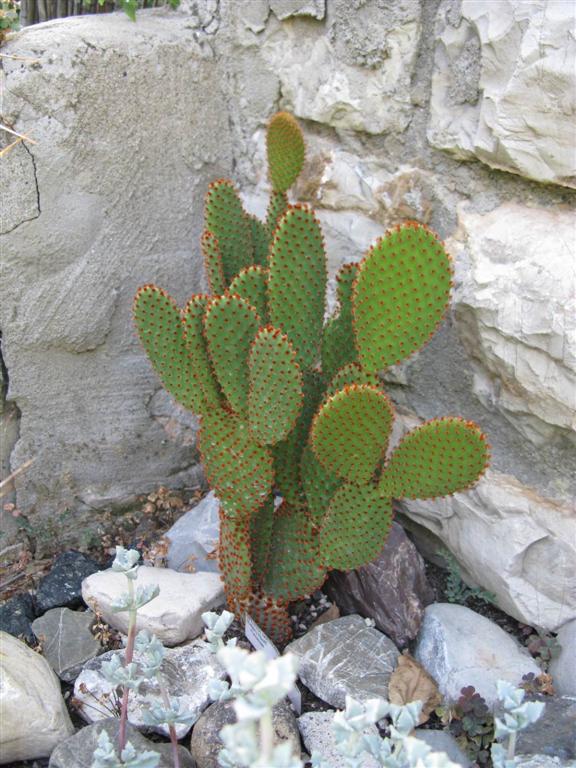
x=350, y=432
x=295, y=567
x=288, y=452
x=234, y=558
x=400, y=295
x=275, y=396
x=196, y=344
x=230, y=326
x=338, y=345
x=277, y=207
x=297, y=282
x=438, y=458
x=213, y=263
x=251, y=284
x=285, y=147
x=226, y=220
x=355, y=528
x=238, y=469
x=319, y=485
x=353, y=373
x=159, y=323
x=261, y=525
x=260, y=240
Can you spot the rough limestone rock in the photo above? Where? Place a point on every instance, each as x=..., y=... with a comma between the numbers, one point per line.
x=392, y=590
x=354, y=76
x=316, y=731
x=528, y=546
x=78, y=750
x=516, y=314
x=554, y=733
x=187, y=672
x=345, y=657
x=67, y=640
x=32, y=711
x=504, y=86
x=205, y=744
x=174, y=616
x=459, y=647
x=563, y=667
x=542, y=761
x=62, y=587
x=130, y=129
x=194, y=536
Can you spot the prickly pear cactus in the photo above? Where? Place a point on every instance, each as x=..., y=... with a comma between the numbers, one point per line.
x=294, y=424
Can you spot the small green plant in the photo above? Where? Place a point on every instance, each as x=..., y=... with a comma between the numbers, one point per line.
x=131, y=6
x=456, y=591
x=517, y=715
x=471, y=723
x=291, y=405
x=9, y=17
x=543, y=646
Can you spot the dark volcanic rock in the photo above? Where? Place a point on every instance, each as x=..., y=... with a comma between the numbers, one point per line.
x=392, y=590
x=62, y=587
x=17, y=615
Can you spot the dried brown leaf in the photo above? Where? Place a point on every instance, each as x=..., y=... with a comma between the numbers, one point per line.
x=410, y=682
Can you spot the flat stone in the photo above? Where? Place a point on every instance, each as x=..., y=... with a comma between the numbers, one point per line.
x=317, y=735
x=443, y=741
x=542, y=761
x=563, y=667
x=206, y=744
x=187, y=672
x=32, y=711
x=62, y=587
x=194, y=536
x=67, y=640
x=174, y=616
x=343, y=658
x=17, y=615
x=392, y=590
x=554, y=733
x=78, y=750
x=459, y=647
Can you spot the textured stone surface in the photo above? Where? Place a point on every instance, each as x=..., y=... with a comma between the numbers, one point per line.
x=78, y=750
x=67, y=640
x=316, y=731
x=459, y=647
x=554, y=733
x=32, y=711
x=343, y=658
x=130, y=130
x=516, y=313
x=392, y=590
x=205, y=744
x=173, y=616
x=187, y=672
x=284, y=9
x=62, y=587
x=528, y=546
x=563, y=667
x=17, y=615
x=442, y=741
x=195, y=535
x=504, y=86
x=542, y=761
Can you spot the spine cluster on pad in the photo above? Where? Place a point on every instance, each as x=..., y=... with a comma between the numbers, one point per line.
x=294, y=423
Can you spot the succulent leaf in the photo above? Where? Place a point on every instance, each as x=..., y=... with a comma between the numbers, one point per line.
x=338, y=345
x=238, y=469
x=196, y=344
x=295, y=567
x=213, y=263
x=285, y=148
x=226, y=220
x=400, y=295
x=251, y=284
x=230, y=326
x=234, y=558
x=352, y=373
x=319, y=484
x=260, y=240
x=350, y=432
x=277, y=207
x=355, y=527
x=261, y=526
x=275, y=394
x=159, y=323
x=438, y=458
x=297, y=282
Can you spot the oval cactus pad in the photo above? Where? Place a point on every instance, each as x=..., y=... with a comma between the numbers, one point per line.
x=285, y=147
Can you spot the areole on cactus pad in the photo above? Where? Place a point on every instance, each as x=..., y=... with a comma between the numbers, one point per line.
x=294, y=423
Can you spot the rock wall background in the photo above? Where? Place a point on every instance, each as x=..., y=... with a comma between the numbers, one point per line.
x=457, y=113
